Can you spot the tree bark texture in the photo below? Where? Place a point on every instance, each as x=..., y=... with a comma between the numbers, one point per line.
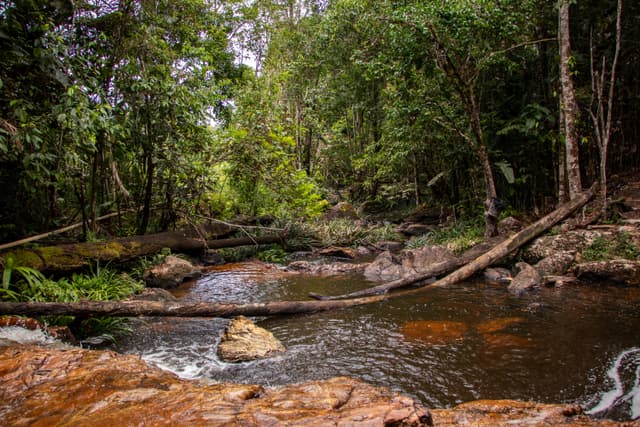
x=570, y=105
x=178, y=309
x=77, y=255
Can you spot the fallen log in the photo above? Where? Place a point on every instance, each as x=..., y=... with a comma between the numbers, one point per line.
x=476, y=259
x=513, y=243
x=436, y=270
x=203, y=309
x=176, y=309
x=73, y=256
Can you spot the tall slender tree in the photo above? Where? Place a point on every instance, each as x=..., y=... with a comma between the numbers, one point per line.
x=569, y=103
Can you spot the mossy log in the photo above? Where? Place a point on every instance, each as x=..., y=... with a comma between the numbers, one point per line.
x=73, y=256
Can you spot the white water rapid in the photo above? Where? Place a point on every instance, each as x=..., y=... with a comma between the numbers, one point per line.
x=625, y=367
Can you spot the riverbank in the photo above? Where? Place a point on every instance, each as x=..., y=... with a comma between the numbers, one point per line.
x=65, y=387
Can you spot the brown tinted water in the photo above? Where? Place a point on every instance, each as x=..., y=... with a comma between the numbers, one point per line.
x=442, y=347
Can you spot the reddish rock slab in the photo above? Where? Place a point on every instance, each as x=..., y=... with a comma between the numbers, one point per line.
x=434, y=331
x=43, y=387
x=499, y=324
x=502, y=413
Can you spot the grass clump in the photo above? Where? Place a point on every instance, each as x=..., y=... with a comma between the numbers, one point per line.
x=343, y=232
x=603, y=248
x=457, y=237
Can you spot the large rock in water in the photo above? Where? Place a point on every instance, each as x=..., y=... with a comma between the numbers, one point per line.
x=170, y=273
x=620, y=271
x=388, y=267
x=527, y=278
x=242, y=341
x=88, y=388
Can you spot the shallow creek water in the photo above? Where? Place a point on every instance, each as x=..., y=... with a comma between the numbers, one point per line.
x=442, y=347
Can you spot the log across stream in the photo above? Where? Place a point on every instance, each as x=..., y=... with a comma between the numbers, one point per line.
x=464, y=342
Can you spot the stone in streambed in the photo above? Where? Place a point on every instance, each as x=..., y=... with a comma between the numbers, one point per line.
x=527, y=279
x=243, y=341
x=170, y=273
x=434, y=332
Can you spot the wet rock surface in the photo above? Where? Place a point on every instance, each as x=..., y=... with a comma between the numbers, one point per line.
x=242, y=341
x=88, y=388
x=325, y=269
x=527, y=278
x=388, y=266
x=495, y=413
x=170, y=273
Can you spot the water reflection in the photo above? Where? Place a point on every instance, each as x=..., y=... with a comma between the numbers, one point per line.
x=552, y=346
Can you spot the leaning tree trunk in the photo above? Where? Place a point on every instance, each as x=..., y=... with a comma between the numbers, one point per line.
x=470, y=264
x=178, y=309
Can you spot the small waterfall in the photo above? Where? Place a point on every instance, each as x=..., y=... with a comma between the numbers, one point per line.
x=17, y=335
x=618, y=395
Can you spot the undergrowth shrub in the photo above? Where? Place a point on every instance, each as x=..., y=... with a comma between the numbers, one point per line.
x=457, y=238
x=619, y=246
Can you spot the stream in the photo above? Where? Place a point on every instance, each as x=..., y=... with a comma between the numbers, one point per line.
x=442, y=347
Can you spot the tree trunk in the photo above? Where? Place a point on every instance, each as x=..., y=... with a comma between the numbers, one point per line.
x=477, y=258
x=77, y=255
x=176, y=309
x=601, y=118
x=570, y=105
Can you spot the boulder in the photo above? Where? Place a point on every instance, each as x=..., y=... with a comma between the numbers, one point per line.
x=409, y=262
x=571, y=242
x=170, y=273
x=527, y=279
x=620, y=271
x=556, y=264
x=243, y=341
x=385, y=267
x=342, y=210
x=510, y=225
x=87, y=388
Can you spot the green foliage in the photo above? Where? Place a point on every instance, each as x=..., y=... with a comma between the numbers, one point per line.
x=102, y=285
x=457, y=237
x=273, y=255
x=603, y=248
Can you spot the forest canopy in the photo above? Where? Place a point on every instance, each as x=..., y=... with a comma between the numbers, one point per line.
x=182, y=109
